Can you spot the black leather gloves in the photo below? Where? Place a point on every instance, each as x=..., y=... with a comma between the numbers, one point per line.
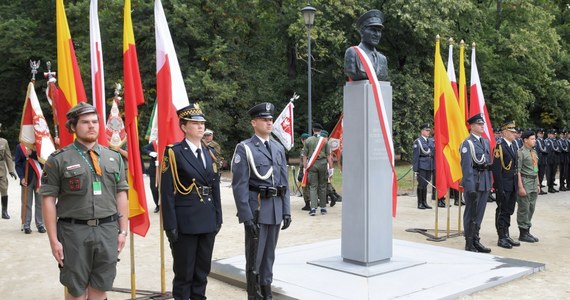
x=172, y=235
x=286, y=222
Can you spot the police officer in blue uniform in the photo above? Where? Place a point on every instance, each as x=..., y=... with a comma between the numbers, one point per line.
x=261, y=193
x=191, y=206
x=423, y=163
x=540, y=148
x=553, y=150
x=476, y=182
x=563, y=160
x=505, y=175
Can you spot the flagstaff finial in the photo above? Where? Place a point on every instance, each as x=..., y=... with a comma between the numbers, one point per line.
x=462, y=43
x=117, y=89
x=473, y=45
x=437, y=37
x=295, y=97
x=34, y=65
x=49, y=74
x=450, y=41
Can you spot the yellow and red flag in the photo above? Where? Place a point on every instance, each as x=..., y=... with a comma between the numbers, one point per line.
x=449, y=129
x=70, y=83
x=170, y=90
x=97, y=73
x=477, y=101
x=138, y=212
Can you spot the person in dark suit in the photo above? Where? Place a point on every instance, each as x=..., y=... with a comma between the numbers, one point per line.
x=261, y=193
x=505, y=181
x=423, y=163
x=553, y=160
x=476, y=182
x=191, y=206
x=150, y=150
x=542, y=158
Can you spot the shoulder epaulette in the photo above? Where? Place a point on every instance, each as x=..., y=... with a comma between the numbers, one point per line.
x=58, y=151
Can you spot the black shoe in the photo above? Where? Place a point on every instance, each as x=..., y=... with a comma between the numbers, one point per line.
x=306, y=207
x=532, y=237
x=426, y=205
x=421, y=205
x=27, y=230
x=480, y=247
x=552, y=190
x=469, y=245
x=333, y=202
x=525, y=236
x=440, y=203
x=513, y=242
x=542, y=192
x=5, y=215
x=41, y=229
x=156, y=209
x=563, y=189
x=503, y=243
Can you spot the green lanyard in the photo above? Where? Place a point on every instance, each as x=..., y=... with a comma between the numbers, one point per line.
x=87, y=161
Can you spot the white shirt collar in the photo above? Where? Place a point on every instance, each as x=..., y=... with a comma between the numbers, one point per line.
x=192, y=146
x=262, y=140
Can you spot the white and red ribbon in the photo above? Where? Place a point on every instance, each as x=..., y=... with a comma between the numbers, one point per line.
x=383, y=117
x=313, y=159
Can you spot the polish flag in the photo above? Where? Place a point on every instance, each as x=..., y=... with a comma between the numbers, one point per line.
x=34, y=130
x=283, y=126
x=170, y=90
x=97, y=74
x=477, y=101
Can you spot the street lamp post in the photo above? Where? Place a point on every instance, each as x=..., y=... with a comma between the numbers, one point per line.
x=309, y=16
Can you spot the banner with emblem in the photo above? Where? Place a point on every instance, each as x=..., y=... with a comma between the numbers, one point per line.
x=34, y=130
x=335, y=139
x=477, y=101
x=283, y=126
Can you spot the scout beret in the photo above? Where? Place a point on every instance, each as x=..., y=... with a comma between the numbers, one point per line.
x=526, y=134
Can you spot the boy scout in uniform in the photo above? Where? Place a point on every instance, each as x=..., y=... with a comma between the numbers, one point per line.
x=506, y=183
x=528, y=186
x=6, y=166
x=318, y=172
x=85, y=208
x=476, y=181
x=261, y=193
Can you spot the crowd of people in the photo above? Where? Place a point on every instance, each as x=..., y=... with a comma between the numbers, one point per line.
x=512, y=174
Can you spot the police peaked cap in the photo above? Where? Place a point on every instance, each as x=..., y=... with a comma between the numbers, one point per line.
x=476, y=119
x=425, y=126
x=509, y=125
x=317, y=126
x=192, y=112
x=262, y=110
x=372, y=17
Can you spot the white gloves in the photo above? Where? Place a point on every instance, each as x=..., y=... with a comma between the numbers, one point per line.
x=331, y=172
x=153, y=154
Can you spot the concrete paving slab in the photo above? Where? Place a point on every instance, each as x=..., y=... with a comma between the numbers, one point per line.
x=416, y=271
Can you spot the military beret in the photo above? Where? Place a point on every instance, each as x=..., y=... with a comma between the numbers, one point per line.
x=372, y=17
x=317, y=126
x=192, y=112
x=526, y=134
x=81, y=108
x=262, y=110
x=305, y=136
x=425, y=126
x=509, y=125
x=476, y=119
x=324, y=133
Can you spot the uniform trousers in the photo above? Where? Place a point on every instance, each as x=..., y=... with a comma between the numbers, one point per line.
x=318, y=175
x=476, y=207
x=424, y=176
x=32, y=198
x=526, y=204
x=505, y=208
x=268, y=235
x=192, y=255
x=541, y=167
x=551, y=174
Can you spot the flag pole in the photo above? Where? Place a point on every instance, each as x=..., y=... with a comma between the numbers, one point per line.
x=50, y=76
x=133, y=274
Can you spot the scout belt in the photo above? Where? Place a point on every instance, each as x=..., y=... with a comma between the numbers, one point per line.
x=268, y=191
x=529, y=176
x=92, y=222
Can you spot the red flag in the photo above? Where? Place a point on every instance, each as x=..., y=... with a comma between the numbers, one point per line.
x=449, y=129
x=70, y=83
x=97, y=74
x=34, y=130
x=138, y=213
x=335, y=140
x=477, y=101
x=170, y=90
x=283, y=126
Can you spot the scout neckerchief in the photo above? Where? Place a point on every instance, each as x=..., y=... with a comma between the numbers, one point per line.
x=34, y=164
x=312, y=160
x=383, y=118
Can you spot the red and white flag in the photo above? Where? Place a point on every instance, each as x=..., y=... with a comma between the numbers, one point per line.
x=97, y=74
x=170, y=90
x=477, y=101
x=283, y=126
x=34, y=130
x=451, y=70
x=335, y=139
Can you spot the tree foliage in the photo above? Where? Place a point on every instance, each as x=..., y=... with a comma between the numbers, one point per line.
x=235, y=53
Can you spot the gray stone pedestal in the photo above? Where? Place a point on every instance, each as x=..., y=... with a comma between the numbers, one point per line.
x=367, y=177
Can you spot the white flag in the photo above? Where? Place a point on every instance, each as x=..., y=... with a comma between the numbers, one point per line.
x=283, y=126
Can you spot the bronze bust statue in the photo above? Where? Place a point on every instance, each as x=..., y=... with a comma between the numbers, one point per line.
x=370, y=27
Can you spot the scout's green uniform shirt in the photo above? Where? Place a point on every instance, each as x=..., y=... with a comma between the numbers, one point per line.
x=311, y=145
x=69, y=174
x=528, y=168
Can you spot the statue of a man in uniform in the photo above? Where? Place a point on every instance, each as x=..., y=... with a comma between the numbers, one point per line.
x=370, y=27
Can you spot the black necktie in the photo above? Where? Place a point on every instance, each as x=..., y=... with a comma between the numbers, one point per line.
x=268, y=148
x=513, y=148
x=199, y=154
